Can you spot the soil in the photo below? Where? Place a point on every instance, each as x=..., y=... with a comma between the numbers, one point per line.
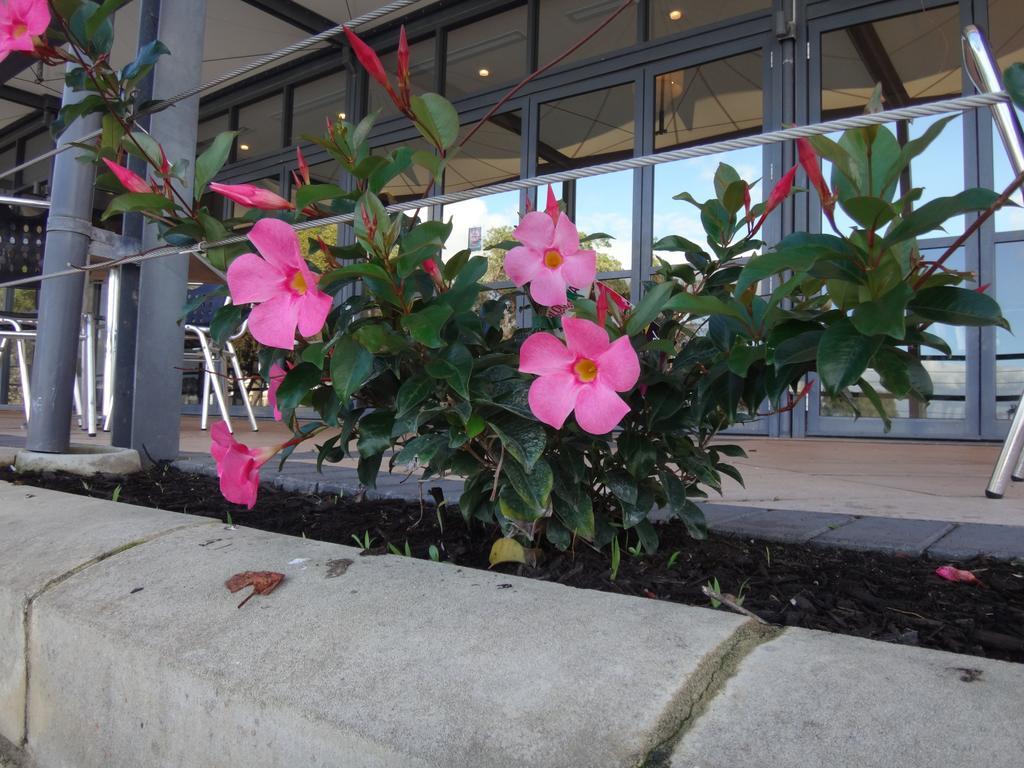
x=873, y=595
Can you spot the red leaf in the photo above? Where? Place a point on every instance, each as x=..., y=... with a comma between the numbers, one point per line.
x=262, y=583
x=809, y=161
x=404, y=87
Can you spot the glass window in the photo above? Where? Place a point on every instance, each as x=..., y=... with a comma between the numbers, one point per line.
x=486, y=53
x=698, y=105
x=1006, y=23
x=563, y=22
x=259, y=127
x=36, y=178
x=208, y=130
x=8, y=159
x=1009, y=348
x=421, y=75
x=670, y=17
x=915, y=58
x=491, y=156
x=314, y=102
x=711, y=101
x=587, y=130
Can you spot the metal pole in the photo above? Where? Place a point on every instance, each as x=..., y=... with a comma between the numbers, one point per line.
x=156, y=402
x=68, y=232
x=126, y=321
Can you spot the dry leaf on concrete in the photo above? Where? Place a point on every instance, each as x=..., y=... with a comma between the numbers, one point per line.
x=262, y=583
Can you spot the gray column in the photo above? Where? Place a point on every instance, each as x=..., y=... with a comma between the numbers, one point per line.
x=156, y=404
x=128, y=286
x=68, y=232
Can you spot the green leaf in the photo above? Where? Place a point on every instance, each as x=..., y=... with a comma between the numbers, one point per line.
x=797, y=252
x=350, y=271
x=524, y=440
x=296, y=385
x=375, y=433
x=622, y=486
x=143, y=146
x=802, y=348
x=577, y=516
x=413, y=392
x=886, y=315
x=935, y=213
x=690, y=304
x=514, y=507
x=351, y=365
x=869, y=212
x=876, y=401
x=1013, y=81
x=902, y=373
x=380, y=339
x=843, y=355
x=649, y=307
x=454, y=365
x=835, y=154
x=675, y=243
x=422, y=242
x=100, y=15
x=957, y=306
x=368, y=468
x=225, y=322
x=426, y=324
x=437, y=118
x=209, y=163
x=137, y=201
x=144, y=61
x=872, y=153
x=315, y=354
x=314, y=193
x=534, y=487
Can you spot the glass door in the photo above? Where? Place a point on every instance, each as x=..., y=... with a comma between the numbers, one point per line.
x=913, y=51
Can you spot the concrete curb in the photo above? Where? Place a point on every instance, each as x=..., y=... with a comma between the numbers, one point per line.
x=134, y=654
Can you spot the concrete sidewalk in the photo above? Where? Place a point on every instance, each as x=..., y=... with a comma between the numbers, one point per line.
x=121, y=647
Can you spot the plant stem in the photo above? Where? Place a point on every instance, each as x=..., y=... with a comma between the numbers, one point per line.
x=971, y=229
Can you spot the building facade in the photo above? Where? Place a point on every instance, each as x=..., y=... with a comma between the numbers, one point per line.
x=663, y=74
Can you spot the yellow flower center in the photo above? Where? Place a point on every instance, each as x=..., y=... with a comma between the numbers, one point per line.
x=553, y=259
x=586, y=370
x=298, y=284
x=19, y=29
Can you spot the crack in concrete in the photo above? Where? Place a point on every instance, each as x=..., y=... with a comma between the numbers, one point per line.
x=56, y=581
x=706, y=682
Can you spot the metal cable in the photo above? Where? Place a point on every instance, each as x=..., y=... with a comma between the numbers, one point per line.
x=771, y=137
x=262, y=61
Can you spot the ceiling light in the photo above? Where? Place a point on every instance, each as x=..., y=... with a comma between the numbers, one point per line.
x=341, y=115
x=484, y=73
x=675, y=15
x=244, y=147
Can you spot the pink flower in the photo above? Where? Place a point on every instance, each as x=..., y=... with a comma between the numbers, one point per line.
x=280, y=284
x=582, y=376
x=431, y=268
x=371, y=63
x=779, y=193
x=949, y=573
x=277, y=374
x=238, y=466
x=549, y=258
x=252, y=196
x=20, y=21
x=129, y=179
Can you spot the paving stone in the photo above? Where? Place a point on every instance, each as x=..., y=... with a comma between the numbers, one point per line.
x=790, y=526
x=886, y=534
x=716, y=514
x=972, y=539
x=817, y=700
x=391, y=662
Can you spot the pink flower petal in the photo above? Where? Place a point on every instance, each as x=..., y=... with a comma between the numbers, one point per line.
x=522, y=264
x=273, y=322
x=535, y=230
x=618, y=366
x=277, y=374
x=220, y=440
x=580, y=269
x=252, y=279
x=313, y=310
x=548, y=288
x=542, y=354
x=585, y=338
x=598, y=409
x=552, y=398
x=239, y=478
x=277, y=243
x=566, y=238
x=37, y=16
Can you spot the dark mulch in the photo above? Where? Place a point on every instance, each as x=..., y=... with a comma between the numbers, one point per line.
x=897, y=599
